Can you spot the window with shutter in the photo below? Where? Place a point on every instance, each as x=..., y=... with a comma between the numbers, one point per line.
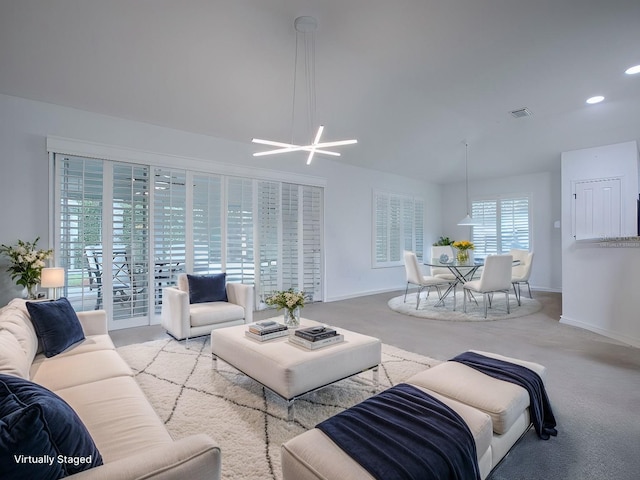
x=312, y=241
x=207, y=224
x=398, y=225
x=145, y=225
x=79, y=227
x=169, y=229
x=129, y=241
x=505, y=225
x=268, y=238
x=239, y=260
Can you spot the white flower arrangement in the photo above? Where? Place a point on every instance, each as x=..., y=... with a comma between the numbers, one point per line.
x=27, y=263
x=289, y=299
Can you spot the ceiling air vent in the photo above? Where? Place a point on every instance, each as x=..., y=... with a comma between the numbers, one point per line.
x=522, y=112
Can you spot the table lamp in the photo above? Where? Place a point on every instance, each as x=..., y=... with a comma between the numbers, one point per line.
x=52, y=278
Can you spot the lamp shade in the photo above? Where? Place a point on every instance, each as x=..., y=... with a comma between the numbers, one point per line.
x=468, y=221
x=52, y=277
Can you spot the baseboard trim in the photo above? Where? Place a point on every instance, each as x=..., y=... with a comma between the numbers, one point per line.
x=634, y=342
x=362, y=294
x=545, y=289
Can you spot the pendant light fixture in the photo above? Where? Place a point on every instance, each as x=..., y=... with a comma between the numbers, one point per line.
x=306, y=27
x=467, y=221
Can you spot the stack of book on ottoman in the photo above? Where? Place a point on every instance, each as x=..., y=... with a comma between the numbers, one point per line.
x=316, y=337
x=266, y=330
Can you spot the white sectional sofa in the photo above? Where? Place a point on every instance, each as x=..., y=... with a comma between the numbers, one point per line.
x=99, y=386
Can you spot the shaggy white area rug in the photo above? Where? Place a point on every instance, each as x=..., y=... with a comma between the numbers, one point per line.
x=246, y=420
x=475, y=313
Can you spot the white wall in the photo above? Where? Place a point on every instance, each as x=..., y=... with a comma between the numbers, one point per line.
x=600, y=282
x=24, y=187
x=544, y=191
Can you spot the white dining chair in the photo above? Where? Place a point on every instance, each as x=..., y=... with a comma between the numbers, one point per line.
x=522, y=271
x=415, y=277
x=495, y=277
x=442, y=272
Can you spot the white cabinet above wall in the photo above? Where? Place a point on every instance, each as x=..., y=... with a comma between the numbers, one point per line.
x=597, y=208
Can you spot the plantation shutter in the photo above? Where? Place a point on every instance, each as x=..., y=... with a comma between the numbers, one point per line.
x=268, y=237
x=169, y=229
x=514, y=223
x=129, y=242
x=312, y=241
x=505, y=225
x=381, y=235
x=145, y=225
x=79, y=226
x=398, y=226
x=418, y=222
x=396, y=244
x=207, y=224
x=290, y=235
x=240, y=260
x=485, y=236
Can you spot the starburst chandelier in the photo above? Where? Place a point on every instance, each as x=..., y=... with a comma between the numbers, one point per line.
x=305, y=27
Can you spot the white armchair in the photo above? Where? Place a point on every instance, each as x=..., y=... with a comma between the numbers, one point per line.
x=183, y=319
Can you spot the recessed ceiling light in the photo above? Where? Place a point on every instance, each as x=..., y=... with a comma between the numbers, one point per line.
x=596, y=99
x=632, y=70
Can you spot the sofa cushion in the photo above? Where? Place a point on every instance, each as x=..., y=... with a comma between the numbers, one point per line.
x=91, y=343
x=119, y=417
x=24, y=433
x=14, y=318
x=56, y=324
x=66, y=432
x=13, y=359
x=70, y=370
x=214, y=312
x=503, y=401
x=207, y=288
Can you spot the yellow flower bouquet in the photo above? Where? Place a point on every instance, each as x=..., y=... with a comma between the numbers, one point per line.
x=463, y=247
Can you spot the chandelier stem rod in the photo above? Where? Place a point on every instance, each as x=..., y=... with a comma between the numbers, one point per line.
x=466, y=172
x=293, y=102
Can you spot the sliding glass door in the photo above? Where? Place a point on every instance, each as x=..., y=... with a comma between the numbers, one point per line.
x=124, y=231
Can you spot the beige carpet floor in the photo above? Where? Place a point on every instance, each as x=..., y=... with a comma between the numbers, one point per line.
x=248, y=421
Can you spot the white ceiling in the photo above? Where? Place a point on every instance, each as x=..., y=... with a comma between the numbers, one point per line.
x=410, y=79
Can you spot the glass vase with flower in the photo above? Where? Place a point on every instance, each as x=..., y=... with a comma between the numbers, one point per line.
x=289, y=300
x=26, y=264
x=463, y=247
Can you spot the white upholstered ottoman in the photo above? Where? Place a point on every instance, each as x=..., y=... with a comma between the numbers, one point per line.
x=496, y=412
x=290, y=370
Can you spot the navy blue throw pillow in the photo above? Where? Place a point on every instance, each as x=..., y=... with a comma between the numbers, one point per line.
x=207, y=288
x=26, y=450
x=56, y=324
x=38, y=423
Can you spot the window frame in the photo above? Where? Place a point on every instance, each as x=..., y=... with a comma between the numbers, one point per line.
x=411, y=209
x=500, y=200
